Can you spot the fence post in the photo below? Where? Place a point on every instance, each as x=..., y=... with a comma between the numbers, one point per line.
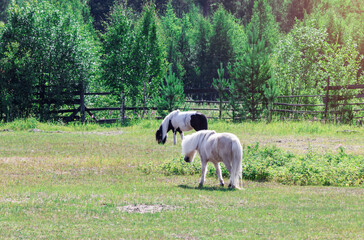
x=122, y=110
x=270, y=111
x=327, y=98
x=82, y=103
x=220, y=108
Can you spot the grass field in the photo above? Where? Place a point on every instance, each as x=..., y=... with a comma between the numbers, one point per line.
x=85, y=182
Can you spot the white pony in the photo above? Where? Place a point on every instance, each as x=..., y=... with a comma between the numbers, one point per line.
x=215, y=147
x=178, y=121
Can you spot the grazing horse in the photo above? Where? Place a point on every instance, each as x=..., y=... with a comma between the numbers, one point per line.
x=178, y=121
x=215, y=147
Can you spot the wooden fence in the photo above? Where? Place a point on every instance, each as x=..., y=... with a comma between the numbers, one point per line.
x=329, y=105
x=80, y=113
x=323, y=108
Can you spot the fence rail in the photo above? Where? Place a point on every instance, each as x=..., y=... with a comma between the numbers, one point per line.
x=328, y=101
x=279, y=107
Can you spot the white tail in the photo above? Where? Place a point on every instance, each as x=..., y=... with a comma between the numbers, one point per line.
x=236, y=170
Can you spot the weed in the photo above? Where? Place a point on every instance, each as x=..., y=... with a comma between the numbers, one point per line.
x=274, y=164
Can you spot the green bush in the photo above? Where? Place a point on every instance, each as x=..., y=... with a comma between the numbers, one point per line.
x=173, y=167
x=274, y=164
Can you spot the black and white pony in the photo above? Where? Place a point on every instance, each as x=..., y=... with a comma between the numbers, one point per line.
x=215, y=147
x=178, y=121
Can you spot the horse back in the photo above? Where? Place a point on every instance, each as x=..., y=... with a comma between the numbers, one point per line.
x=199, y=121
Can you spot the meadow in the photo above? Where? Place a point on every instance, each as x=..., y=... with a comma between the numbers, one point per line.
x=110, y=182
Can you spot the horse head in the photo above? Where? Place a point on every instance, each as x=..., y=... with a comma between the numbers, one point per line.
x=159, y=136
x=190, y=156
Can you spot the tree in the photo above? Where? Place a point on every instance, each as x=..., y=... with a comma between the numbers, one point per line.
x=201, y=52
x=340, y=64
x=147, y=60
x=48, y=51
x=172, y=32
x=171, y=94
x=100, y=10
x=184, y=46
x=222, y=49
x=295, y=61
x=3, y=6
x=250, y=73
x=297, y=10
x=265, y=25
x=221, y=84
x=117, y=50
x=343, y=21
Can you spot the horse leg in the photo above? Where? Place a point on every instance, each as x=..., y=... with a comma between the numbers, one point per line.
x=203, y=172
x=218, y=173
x=228, y=166
x=174, y=138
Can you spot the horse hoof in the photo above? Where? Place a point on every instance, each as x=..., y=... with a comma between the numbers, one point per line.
x=221, y=184
x=234, y=187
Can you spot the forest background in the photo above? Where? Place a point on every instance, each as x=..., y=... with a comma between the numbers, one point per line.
x=154, y=51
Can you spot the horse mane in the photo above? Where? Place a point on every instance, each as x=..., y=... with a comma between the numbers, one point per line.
x=191, y=142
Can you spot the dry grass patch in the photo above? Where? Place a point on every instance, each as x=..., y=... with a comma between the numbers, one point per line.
x=145, y=208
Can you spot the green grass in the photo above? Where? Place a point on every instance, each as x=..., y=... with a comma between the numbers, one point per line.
x=70, y=182
x=273, y=164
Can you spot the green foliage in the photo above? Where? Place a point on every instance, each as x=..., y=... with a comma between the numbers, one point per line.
x=23, y=124
x=264, y=24
x=274, y=164
x=221, y=84
x=173, y=167
x=171, y=95
x=251, y=71
x=116, y=68
x=201, y=52
x=133, y=55
x=147, y=60
x=297, y=10
x=16, y=82
x=3, y=5
x=53, y=43
x=250, y=74
x=306, y=58
x=175, y=39
x=221, y=43
x=49, y=52
x=296, y=61
x=99, y=10
x=271, y=92
x=341, y=64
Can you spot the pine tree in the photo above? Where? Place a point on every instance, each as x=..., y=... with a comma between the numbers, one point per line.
x=172, y=32
x=202, y=53
x=116, y=51
x=221, y=48
x=256, y=72
x=264, y=23
x=147, y=62
x=171, y=94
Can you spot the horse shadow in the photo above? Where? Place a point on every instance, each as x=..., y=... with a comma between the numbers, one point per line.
x=205, y=188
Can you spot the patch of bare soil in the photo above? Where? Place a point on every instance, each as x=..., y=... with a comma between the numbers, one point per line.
x=96, y=133
x=105, y=133
x=302, y=145
x=144, y=208
x=14, y=160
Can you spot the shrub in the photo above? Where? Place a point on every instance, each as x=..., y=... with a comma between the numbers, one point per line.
x=274, y=164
